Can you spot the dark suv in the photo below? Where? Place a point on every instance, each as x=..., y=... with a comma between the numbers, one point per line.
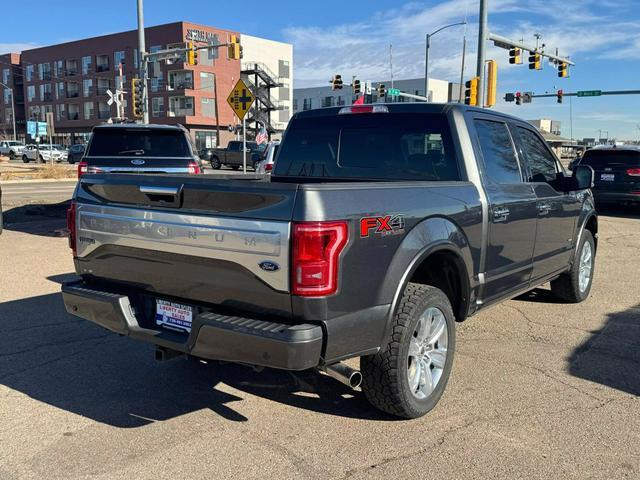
x=617, y=173
x=135, y=148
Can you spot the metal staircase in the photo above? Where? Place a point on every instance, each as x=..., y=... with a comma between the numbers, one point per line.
x=260, y=80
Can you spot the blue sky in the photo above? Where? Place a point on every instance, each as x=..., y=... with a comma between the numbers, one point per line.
x=352, y=38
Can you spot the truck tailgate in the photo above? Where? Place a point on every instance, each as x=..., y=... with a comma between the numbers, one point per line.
x=189, y=237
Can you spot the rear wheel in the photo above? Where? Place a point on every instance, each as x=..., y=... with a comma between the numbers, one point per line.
x=574, y=286
x=409, y=374
x=215, y=163
x=12, y=155
x=41, y=159
x=25, y=159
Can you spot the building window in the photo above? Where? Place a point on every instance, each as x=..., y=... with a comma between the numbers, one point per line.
x=72, y=90
x=31, y=93
x=102, y=63
x=44, y=71
x=86, y=65
x=135, y=58
x=8, y=115
x=74, y=112
x=104, y=110
x=60, y=111
x=157, y=107
x=180, y=80
x=118, y=58
x=180, y=106
x=45, y=92
x=58, y=69
x=208, y=107
x=29, y=73
x=5, y=75
x=71, y=67
x=103, y=86
x=283, y=69
x=205, y=140
x=60, y=91
x=87, y=86
x=295, y=104
x=88, y=110
x=206, y=81
x=7, y=96
x=327, y=101
x=307, y=104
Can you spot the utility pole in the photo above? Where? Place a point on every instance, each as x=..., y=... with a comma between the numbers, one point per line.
x=464, y=52
x=142, y=63
x=426, y=55
x=215, y=95
x=391, y=62
x=482, y=40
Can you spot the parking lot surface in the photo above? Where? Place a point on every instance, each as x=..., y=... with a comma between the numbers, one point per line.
x=539, y=389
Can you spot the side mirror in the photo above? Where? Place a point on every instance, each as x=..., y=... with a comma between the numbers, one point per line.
x=583, y=176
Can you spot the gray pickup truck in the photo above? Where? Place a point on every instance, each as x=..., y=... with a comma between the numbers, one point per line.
x=380, y=228
x=232, y=155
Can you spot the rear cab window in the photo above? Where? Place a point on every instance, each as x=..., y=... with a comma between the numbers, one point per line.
x=369, y=146
x=132, y=142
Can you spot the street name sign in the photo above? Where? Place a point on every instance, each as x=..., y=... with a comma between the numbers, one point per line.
x=589, y=93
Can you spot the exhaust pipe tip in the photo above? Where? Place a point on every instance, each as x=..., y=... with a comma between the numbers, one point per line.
x=344, y=374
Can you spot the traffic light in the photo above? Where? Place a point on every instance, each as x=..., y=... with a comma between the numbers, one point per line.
x=492, y=82
x=357, y=88
x=471, y=91
x=336, y=82
x=518, y=96
x=192, y=54
x=563, y=70
x=515, y=56
x=534, y=61
x=560, y=94
x=137, y=88
x=382, y=90
x=235, y=49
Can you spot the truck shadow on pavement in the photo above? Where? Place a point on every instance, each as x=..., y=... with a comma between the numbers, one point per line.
x=611, y=356
x=79, y=367
x=47, y=220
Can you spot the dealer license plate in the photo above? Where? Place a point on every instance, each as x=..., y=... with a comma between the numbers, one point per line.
x=607, y=177
x=174, y=315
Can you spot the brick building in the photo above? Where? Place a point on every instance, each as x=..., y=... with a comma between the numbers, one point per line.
x=11, y=82
x=71, y=81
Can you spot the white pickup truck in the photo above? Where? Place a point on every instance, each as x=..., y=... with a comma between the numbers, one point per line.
x=11, y=148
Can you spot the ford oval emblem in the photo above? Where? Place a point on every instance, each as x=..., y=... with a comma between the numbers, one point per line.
x=138, y=161
x=269, y=266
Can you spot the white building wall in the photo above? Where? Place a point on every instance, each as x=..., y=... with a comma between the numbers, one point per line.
x=319, y=97
x=273, y=54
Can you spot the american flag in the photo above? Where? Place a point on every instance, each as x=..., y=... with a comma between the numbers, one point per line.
x=262, y=136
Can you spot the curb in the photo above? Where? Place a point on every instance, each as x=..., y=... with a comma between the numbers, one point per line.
x=36, y=180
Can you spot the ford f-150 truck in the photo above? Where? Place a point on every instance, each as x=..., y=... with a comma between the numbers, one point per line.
x=379, y=229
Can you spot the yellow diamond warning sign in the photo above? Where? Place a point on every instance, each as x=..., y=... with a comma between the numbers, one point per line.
x=240, y=99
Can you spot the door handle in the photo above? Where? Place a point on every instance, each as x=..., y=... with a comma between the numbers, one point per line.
x=500, y=214
x=544, y=208
x=173, y=191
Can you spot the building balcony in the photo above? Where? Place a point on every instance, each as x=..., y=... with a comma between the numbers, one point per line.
x=180, y=85
x=182, y=112
x=102, y=68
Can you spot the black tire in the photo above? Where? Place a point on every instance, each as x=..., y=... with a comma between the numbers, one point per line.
x=567, y=286
x=255, y=165
x=215, y=163
x=25, y=159
x=385, y=381
x=12, y=155
x=71, y=160
x=41, y=159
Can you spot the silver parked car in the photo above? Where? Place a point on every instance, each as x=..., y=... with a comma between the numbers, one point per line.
x=11, y=148
x=44, y=153
x=267, y=162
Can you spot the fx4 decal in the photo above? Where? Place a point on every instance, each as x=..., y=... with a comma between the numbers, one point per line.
x=382, y=225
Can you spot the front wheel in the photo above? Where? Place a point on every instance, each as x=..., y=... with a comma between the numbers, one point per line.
x=12, y=155
x=41, y=159
x=409, y=374
x=25, y=159
x=574, y=286
x=215, y=163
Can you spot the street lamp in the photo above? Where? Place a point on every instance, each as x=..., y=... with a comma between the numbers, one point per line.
x=426, y=55
x=13, y=109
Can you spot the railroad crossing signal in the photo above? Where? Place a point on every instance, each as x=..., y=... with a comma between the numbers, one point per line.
x=534, y=61
x=515, y=56
x=240, y=99
x=336, y=82
x=560, y=95
x=563, y=70
x=382, y=90
x=357, y=87
x=471, y=91
x=114, y=98
x=192, y=54
x=234, y=48
x=137, y=88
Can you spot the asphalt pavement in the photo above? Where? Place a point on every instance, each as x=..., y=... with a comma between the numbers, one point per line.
x=539, y=389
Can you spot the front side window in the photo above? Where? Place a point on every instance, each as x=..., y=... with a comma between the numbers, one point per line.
x=542, y=164
x=500, y=161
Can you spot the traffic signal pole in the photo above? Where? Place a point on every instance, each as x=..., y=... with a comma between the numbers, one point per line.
x=142, y=62
x=482, y=38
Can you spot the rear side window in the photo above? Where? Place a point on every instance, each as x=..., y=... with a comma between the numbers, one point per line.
x=138, y=142
x=384, y=146
x=541, y=163
x=500, y=161
x=611, y=158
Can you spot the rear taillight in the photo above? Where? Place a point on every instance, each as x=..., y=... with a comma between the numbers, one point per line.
x=268, y=167
x=71, y=227
x=316, y=255
x=193, y=168
x=633, y=172
x=82, y=168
